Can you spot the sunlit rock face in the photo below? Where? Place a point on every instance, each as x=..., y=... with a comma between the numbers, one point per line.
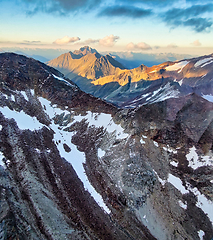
x=130, y=88
x=76, y=167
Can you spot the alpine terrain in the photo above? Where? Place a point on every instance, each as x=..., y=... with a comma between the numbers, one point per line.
x=129, y=88
x=138, y=166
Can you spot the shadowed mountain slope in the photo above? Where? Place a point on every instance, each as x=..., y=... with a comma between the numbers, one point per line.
x=142, y=85
x=75, y=167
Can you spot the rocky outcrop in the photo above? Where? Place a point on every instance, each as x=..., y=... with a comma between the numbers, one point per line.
x=76, y=167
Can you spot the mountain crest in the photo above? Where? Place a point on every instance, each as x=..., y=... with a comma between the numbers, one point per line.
x=85, y=50
x=86, y=62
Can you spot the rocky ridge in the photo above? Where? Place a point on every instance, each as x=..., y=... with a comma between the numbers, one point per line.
x=87, y=63
x=144, y=85
x=76, y=167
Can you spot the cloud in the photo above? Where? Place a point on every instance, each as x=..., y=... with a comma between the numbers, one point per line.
x=66, y=40
x=156, y=47
x=196, y=43
x=148, y=2
x=61, y=7
x=172, y=45
x=108, y=41
x=89, y=41
x=26, y=42
x=189, y=17
x=138, y=46
x=125, y=11
x=198, y=24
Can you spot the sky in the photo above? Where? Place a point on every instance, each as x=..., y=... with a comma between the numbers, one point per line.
x=146, y=26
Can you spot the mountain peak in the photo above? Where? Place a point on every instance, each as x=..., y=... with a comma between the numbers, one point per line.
x=86, y=62
x=85, y=50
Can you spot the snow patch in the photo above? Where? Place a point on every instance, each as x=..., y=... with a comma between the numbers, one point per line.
x=202, y=202
x=163, y=182
x=32, y=92
x=208, y=97
x=25, y=95
x=23, y=120
x=177, y=66
x=1, y=160
x=101, y=153
x=201, y=234
x=166, y=92
x=103, y=120
x=13, y=98
x=50, y=109
x=195, y=162
x=173, y=163
x=207, y=63
x=63, y=80
x=177, y=183
x=192, y=158
x=183, y=205
x=202, y=61
x=181, y=82
x=168, y=149
x=142, y=97
x=37, y=150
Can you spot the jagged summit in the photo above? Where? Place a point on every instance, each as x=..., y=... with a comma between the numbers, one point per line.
x=144, y=85
x=85, y=62
x=85, y=50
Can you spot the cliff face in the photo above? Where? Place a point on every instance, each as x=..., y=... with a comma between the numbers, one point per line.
x=75, y=167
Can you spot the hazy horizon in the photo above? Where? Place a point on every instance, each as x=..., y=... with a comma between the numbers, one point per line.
x=50, y=28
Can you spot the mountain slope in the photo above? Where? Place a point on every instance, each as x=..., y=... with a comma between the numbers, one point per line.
x=86, y=62
x=132, y=88
x=75, y=167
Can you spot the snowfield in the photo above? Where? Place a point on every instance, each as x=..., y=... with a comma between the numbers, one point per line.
x=23, y=120
x=208, y=97
x=75, y=157
x=202, y=61
x=177, y=66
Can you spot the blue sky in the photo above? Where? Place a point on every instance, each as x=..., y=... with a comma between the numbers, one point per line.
x=150, y=26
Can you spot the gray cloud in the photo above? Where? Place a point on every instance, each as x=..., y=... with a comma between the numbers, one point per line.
x=89, y=41
x=172, y=45
x=31, y=42
x=61, y=7
x=125, y=11
x=198, y=24
x=189, y=17
x=148, y=2
x=193, y=16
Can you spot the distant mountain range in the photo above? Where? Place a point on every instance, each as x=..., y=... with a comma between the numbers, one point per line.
x=135, y=59
x=73, y=166
x=106, y=78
